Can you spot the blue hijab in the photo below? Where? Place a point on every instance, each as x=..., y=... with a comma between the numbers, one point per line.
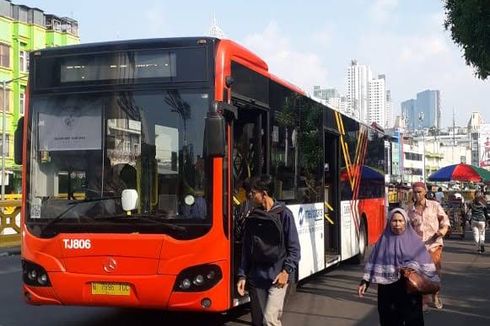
x=394, y=251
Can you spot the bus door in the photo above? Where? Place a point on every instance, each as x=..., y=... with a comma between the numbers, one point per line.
x=249, y=157
x=331, y=197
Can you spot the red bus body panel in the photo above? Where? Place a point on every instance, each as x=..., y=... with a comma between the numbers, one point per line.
x=373, y=209
x=150, y=263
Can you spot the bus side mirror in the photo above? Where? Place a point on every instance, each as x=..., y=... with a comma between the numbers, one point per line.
x=18, y=140
x=214, y=135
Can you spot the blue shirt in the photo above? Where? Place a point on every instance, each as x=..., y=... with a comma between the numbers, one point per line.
x=262, y=276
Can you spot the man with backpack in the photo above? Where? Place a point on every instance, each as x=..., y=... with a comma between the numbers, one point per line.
x=270, y=254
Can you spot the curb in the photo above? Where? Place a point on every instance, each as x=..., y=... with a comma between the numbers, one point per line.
x=9, y=251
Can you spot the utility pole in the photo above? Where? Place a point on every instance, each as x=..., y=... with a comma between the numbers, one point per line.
x=454, y=137
x=421, y=120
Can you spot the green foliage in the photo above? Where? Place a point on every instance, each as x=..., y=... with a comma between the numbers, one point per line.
x=469, y=24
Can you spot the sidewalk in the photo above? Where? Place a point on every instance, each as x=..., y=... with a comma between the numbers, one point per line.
x=9, y=251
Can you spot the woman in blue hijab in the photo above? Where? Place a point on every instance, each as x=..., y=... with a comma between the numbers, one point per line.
x=398, y=247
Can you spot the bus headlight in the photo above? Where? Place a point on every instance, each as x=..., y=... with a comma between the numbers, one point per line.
x=198, y=278
x=186, y=284
x=42, y=279
x=34, y=274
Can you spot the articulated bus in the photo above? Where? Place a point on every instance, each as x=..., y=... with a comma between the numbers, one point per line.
x=134, y=155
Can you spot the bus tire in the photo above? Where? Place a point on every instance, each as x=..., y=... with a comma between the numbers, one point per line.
x=363, y=242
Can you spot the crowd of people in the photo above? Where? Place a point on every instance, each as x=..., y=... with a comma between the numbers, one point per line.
x=413, y=239
x=412, y=243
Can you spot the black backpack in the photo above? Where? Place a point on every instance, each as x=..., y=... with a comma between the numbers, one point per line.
x=265, y=236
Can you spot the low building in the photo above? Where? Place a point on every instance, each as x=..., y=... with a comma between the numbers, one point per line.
x=24, y=29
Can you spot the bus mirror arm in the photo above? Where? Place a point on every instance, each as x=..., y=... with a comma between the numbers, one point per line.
x=18, y=140
x=214, y=135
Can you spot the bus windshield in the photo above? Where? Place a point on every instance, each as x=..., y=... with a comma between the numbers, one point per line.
x=87, y=148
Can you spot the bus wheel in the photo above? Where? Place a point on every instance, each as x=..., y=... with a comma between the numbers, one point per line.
x=363, y=241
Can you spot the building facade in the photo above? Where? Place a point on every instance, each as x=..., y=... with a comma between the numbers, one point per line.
x=429, y=108
x=377, y=101
x=325, y=93
x=332, y=97
x=358, y=77
x=408, y=113
x=423, y=112
x=389, y=123
x=24, y=29
x=423, y=153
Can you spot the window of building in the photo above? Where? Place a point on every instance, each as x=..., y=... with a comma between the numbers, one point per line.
x=7, y=97
x=7, y=140
x=22, y=101
x=24, y=61
x=413, y=156
x=4, y=55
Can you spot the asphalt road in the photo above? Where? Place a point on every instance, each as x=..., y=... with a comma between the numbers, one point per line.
x=326, y=299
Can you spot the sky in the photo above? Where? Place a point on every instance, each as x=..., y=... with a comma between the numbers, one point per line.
x=308, y=42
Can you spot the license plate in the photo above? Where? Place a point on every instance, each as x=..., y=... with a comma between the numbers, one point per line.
x=111, y=289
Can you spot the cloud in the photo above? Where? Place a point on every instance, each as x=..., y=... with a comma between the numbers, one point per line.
x=322, y=36
x=419, y=49
x=415, y=62
x=155, y=20
x=381, y=10
x=302, y=68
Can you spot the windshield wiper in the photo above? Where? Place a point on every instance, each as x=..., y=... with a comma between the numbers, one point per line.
x=155, y=219
x=94, y=199
x=73, y=205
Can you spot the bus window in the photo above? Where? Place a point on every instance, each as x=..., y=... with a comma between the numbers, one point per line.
x=95, y=146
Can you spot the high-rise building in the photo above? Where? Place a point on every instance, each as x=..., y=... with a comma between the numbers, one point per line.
x=377, y=101
x=408, y=113
x=358, y=77
x=389, y=110
x=424, y=111
x=24, y=29
x=429, y=109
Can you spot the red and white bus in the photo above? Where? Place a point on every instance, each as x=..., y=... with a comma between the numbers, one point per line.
x=133, y=156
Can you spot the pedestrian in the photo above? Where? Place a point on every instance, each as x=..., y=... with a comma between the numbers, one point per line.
x=439, y=195
x=479, y=216
x=431, y=223
x=268, y=281
x=399, y=247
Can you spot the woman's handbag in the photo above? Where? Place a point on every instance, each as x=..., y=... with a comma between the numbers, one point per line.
x=415, y=282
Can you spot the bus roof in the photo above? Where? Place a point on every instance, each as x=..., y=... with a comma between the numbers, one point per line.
x=257, y=61
x=128, y=44
x=244, y=54
x=249, y=56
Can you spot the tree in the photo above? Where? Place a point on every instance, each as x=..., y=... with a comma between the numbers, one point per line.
x=469, y=24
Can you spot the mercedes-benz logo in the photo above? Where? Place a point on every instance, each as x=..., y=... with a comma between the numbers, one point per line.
x=110, y=265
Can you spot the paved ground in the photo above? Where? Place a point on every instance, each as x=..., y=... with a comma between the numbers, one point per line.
x=327, y=299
